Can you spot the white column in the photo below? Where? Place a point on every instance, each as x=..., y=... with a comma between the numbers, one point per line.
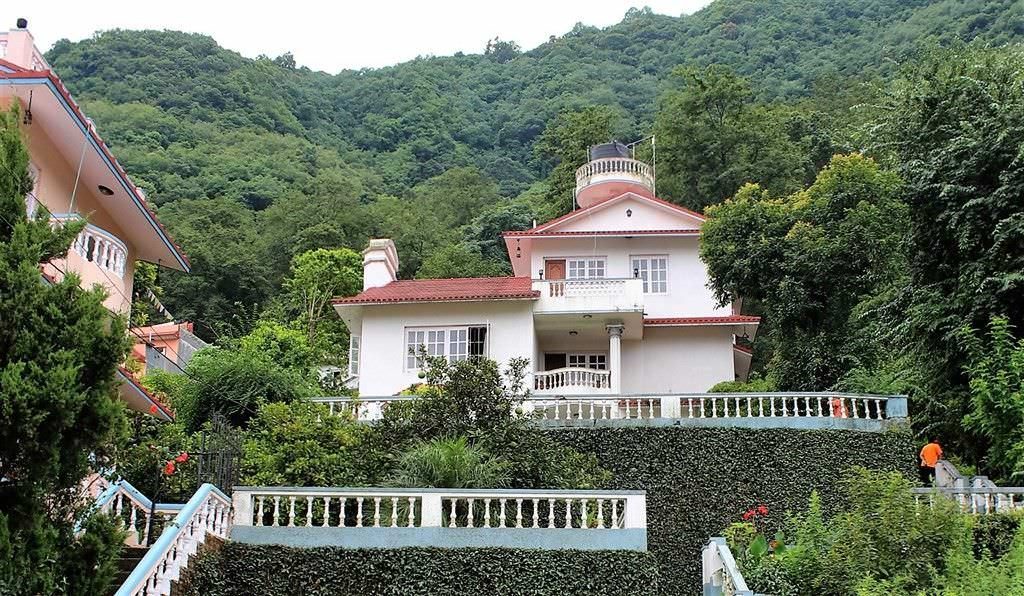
x=615, y=357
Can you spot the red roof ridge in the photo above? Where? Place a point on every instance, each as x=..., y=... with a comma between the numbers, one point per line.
x=449, y=289
x=604, y=232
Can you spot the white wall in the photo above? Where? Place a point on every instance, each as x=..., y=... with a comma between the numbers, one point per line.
x=382, y=367
x=643, y=215
x=677, y=360
x=688, y=294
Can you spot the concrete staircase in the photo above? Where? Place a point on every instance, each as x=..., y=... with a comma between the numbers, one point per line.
x=126, y=563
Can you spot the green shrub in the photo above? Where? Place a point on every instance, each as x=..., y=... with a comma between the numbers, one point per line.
x=450, y=463
x=245, y=569
x=699, y=480
x=301, y=444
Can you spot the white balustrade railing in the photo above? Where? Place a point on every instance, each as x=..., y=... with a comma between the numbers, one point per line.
x=207, y=512
x=572, y=288
x=361, y=408
x=686, y=406
x=133, y=510
x=561, y=378
x=98, y=246
x=438, y=508
x=784, y=405
x=612, y=168
x=720, y=573
x=976, y=500
x=593, y=408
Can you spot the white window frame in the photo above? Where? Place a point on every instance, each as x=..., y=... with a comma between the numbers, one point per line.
x=590, y=266
x=451, y=342
x=644, y=274
x=353, y=355
x=591, y=360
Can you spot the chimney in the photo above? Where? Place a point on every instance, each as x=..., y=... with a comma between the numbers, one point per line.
x=21, y=48
x=380, y=263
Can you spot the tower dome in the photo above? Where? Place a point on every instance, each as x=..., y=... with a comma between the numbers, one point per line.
x=610, y=172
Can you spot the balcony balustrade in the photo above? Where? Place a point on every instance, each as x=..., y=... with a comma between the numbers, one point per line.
x=614, y=168
x=98, y=246
x=572, y=380
x=589, y=295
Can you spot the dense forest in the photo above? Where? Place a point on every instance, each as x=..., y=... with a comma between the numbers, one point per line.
x=255, y=161
x=853, y=119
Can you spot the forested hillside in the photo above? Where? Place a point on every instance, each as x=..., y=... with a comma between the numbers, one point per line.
x=252, y=162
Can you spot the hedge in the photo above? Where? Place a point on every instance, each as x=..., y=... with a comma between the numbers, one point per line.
x=699, y=480
x=246, y=569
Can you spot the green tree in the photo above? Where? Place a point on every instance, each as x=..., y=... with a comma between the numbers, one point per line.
x=459, y=260
x=563, y=146
x=301, y=444
x=234, y=384
x=995, y=369
x=811, y=260
x=953, y=126
x=279, y=344
x=712, y=138
x=316, y=277
x=59, y=412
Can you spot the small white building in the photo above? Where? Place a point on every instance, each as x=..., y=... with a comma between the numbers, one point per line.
x=611, y=298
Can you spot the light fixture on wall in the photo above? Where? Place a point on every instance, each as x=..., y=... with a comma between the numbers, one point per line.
x=104, y=190
x=519, y=251
x=588, y=316
x=574, y=332
x=629, y=213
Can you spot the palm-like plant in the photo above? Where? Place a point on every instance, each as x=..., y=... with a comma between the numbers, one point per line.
x=450, y=463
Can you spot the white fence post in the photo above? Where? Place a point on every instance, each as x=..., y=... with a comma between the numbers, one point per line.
x=431, y=510
x=242, y=506
x=636, y=511
x=670, y=406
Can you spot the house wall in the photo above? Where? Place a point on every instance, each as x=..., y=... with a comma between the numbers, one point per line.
x=688, y=294
x=677, y=360
x=642, y=216
x=382, y=362
x=56, y=183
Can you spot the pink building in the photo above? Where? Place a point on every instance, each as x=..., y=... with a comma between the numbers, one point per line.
x=167, y=346
x=76, y=177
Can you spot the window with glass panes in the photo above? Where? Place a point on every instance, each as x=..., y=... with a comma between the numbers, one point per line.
x=353, y=355
x=452, y=343
x=595, y=361
x=586, y=268
x=653, y=269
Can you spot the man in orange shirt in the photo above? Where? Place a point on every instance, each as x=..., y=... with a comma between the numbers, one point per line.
x=930, y=455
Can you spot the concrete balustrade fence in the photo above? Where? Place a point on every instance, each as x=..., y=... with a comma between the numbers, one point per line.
x=722, y=576
x=976, y=500
x=751, y=410
x=432, y=517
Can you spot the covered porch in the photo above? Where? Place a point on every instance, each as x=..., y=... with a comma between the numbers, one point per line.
x=581, y=353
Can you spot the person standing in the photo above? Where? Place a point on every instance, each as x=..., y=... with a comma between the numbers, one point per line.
x=930, y=456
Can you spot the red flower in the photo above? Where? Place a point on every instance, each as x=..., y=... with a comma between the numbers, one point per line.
x=169, y=467
x=762, y=510
x=153, y=409
x=182, y=457
x=747, y=515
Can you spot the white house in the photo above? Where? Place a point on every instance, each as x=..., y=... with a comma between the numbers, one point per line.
x=611, y=298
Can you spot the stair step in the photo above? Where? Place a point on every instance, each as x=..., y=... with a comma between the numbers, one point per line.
x=126, y=563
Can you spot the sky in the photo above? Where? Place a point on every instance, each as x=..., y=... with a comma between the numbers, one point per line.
x=332, y=36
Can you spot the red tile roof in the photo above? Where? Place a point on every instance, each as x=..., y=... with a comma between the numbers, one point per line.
x=446, y=290
x=156, y=406
x=697, y=321
x=675, y=232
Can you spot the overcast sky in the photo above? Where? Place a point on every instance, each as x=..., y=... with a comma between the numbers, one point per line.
x=335, y=35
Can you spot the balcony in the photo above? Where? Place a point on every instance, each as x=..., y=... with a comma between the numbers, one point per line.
x=572, y=381
x=566, y=296
x=98, y=257
x=618, y=169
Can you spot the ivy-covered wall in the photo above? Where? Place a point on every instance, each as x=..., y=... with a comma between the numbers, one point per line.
x=699, y=480
x=245, y=569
